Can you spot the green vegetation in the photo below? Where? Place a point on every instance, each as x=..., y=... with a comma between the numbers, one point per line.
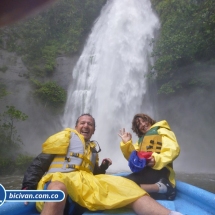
x=3, y=68
x=50, y=93
x=3, y=91
x=186, y=37
x=10, y=141
x=11, y=164
x=56, y=31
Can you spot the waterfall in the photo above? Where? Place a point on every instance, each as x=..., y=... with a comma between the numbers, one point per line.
x=109, y=80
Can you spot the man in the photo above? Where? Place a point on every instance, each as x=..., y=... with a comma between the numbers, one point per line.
x=157, y=139
x=75, y=157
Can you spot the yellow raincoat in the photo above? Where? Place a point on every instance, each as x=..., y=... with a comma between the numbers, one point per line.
x=95, y=192
x=167, y=154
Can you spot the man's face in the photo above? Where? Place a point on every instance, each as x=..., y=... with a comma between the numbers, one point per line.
x=85, y=126
x=143, y=125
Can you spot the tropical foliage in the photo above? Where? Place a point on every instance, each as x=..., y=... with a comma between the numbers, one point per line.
x=3, y=91
x=50, y=93
x=10, y=140
x=56, y=31
x=186, y=37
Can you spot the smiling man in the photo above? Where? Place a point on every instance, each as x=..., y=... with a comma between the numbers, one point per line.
x=85, y=125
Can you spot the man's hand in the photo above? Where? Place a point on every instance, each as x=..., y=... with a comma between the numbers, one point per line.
x=106, y=163
x=126, y=136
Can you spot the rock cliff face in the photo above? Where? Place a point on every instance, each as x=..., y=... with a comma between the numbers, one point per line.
x=41, y=121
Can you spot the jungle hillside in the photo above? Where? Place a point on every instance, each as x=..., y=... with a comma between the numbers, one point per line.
x=183, y=53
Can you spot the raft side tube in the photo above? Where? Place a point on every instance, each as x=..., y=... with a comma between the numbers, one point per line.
x=18, y=208
x=193, y=200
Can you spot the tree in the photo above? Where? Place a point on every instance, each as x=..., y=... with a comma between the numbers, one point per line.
x=9, y=139
x=3, y=91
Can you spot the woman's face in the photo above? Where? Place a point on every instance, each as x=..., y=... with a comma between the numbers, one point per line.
x=143, y=125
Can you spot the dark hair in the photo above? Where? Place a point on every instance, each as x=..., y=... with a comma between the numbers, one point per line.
x=86, y=114
x=135, y=120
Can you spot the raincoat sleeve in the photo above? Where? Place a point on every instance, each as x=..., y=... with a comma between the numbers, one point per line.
x=127, y=148
x=36, y=170
x=169, y=151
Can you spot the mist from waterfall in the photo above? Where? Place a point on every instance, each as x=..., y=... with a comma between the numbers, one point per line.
x=109, y=80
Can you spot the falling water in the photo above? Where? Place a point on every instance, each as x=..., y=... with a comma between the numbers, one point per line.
x=109, y=80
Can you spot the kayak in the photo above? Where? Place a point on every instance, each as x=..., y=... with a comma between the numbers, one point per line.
x=190, y=200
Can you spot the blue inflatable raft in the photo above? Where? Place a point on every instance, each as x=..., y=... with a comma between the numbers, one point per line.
x=190, y=200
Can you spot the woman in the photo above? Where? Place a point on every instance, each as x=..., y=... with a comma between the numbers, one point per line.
x=157, y=139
